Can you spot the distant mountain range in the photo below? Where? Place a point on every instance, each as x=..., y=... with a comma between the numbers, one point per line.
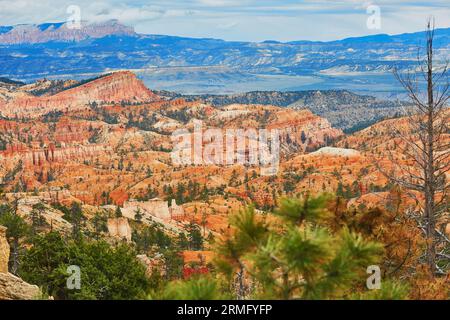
x=61, y=32
x=30, y=52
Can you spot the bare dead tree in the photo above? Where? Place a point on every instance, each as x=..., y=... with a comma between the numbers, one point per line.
x=421, y=161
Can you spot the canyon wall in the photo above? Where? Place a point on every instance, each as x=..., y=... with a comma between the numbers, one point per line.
x=113, y=88
x=119, y=228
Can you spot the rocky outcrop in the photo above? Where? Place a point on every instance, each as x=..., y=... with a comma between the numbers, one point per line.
x=112, y=88
x=156, y=263
x=302, y=130
x=176, y=211
x=330, y=151
x=200, y=257
x=119, y=228
x=14, y=288
x=298, y=130
x=4, y=251
x=155, y=207
x=39, y=157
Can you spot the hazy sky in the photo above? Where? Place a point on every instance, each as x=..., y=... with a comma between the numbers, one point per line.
x=249, y=20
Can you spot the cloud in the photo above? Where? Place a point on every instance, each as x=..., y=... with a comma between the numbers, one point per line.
x=222, y=3
x=238, y=19
x=229, y=25
x=128, y=15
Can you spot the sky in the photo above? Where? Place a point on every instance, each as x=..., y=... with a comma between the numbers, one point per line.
x=242, y=20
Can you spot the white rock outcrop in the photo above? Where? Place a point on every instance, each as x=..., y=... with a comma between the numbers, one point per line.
x=337, y=152
x=119, y=228
x=14, y=288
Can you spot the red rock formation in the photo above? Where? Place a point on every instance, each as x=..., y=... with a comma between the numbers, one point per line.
x=112, y=88
x=38, y=157
x=303, y=129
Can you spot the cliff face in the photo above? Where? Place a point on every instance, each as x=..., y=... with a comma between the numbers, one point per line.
x=112, y=88
x=40, y=157
x=299, y=130
x=302, y=131
x=119, y=228
x=12, y=287
x=62, y=32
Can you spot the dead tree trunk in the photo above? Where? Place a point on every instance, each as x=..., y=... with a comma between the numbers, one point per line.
x=429, y=156
x=424, y=143
x=15, y=256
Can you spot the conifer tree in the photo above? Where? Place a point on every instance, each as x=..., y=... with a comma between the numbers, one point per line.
x=294, y=256
x=118, y=212
x=17, y=230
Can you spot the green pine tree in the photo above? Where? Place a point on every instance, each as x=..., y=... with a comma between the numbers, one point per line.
x=294, y=256
x=118, y=212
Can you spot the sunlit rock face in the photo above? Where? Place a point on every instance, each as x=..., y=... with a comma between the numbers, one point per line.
x=119, y=228
x=4, y=251
x=12, y=287
x=115, y=87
